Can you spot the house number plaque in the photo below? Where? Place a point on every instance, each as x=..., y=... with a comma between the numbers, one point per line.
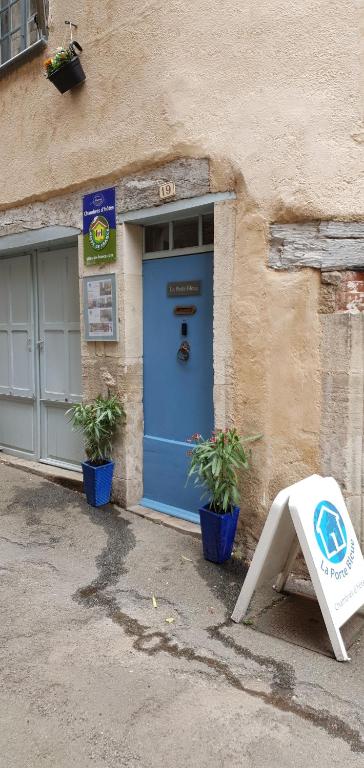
x=167, y=190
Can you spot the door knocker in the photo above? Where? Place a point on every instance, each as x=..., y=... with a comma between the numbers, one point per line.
x=183, y=352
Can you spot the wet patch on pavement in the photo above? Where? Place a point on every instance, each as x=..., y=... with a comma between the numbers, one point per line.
x=225, y=580
x=110, y=562
x=33, y=506
x=111, y=565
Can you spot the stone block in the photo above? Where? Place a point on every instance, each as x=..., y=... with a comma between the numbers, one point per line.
x=335, y=343
x=190, y=175
x=321, y=245
x=130, y=248
x=133, y=317
x=126, y=492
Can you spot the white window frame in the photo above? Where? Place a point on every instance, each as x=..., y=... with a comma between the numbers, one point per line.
x=41, y=15
x=200, y=248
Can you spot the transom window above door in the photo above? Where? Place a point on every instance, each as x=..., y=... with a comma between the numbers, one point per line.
x=191, y=234
x=22, y=23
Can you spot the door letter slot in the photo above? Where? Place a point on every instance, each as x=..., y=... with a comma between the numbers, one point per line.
x=185, y=310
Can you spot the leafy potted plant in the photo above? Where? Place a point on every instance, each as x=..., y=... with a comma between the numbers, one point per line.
x=64, y=68
x=214, y=465
x=97, y=421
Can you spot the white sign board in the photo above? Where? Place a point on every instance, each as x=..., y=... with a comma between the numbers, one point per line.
x=99, y=305
x=311, y=514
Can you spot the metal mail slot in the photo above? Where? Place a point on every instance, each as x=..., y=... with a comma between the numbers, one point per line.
x=191, y=310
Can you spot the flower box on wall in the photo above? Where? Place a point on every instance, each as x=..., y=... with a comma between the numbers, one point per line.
x=64, y=69
x=69, y=75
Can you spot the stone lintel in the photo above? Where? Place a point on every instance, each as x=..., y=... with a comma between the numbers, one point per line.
x=191, y=177
x=141, y=190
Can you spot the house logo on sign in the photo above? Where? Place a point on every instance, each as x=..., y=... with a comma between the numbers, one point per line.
x=330, y=532
x=99, y=232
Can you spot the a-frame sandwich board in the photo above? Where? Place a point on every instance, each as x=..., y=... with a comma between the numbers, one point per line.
x=311, y=514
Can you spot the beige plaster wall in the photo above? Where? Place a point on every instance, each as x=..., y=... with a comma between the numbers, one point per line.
x=275, y=87
x=272, y=93
x=276, y=372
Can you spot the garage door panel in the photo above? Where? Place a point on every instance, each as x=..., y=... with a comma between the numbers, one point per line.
x=74, y=344
x=20, y=290
x=52, y=288
x=4, y=362
x=53, y=365
x=17, y=384
x=60, y=353
x=4, y=291
x=60, y=442
x=22, y=383
x=73, y=294
x=17, y=426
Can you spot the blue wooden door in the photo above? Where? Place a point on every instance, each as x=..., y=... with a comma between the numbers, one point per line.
x=177, y=394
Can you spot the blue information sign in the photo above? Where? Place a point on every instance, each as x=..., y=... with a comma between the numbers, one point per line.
x=99, y=227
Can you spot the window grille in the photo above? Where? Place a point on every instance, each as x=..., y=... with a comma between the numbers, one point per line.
x=183, y=235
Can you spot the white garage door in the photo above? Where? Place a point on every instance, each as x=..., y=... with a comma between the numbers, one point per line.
x=40, y=358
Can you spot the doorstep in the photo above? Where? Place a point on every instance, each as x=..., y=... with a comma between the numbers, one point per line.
x=193, y=529
x=65, y=477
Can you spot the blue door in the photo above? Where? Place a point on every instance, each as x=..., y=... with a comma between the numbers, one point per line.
x=177, y=392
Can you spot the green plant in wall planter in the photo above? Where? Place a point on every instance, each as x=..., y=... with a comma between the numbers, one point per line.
x=64, y=68
x=214, y=465
x=98, y=421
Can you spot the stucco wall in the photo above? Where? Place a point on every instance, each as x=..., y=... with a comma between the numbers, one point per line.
x=272, y=93
x=275, y=372
x=274, y=87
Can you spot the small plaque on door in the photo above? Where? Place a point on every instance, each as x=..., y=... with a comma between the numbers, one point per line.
x=184, y=288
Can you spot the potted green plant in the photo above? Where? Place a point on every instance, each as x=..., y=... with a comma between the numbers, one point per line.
x=64, y=68
x=97, y=421
x=214, y=465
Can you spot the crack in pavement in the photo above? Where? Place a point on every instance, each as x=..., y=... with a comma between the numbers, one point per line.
x=111, y=566
x=29, y=544
x=101, y=593
x=154, y=642
x=284, y=679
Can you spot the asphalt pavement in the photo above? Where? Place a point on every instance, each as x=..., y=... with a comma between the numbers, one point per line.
x=117, y=649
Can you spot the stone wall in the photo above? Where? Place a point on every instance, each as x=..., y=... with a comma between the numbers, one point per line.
x=288, y=335
x=278, y=94
x=116, y=367
x=337, y=250
x=267, y=104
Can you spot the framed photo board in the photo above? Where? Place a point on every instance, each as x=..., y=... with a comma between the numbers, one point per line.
x=99, y=307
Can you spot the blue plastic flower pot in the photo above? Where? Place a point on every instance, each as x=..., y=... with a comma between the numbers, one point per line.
x=97, y=482
x=218, y=533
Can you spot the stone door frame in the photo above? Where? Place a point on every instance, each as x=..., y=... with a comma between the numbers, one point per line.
x=130, y=249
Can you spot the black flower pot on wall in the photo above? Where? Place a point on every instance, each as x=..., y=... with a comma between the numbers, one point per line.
x=69, y=75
